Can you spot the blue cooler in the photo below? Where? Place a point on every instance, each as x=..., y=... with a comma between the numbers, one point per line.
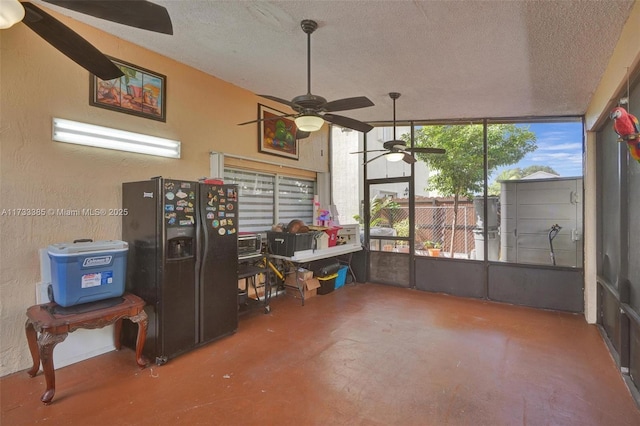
x=85, y=271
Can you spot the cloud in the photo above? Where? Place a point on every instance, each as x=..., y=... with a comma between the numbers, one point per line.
x=567, y=146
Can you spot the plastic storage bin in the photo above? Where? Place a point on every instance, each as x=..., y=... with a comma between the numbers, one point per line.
x=327, y=284
x=342, y=276
x=287, y=243
x=86, y=271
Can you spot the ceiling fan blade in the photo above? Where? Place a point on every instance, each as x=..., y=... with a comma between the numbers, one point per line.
x=427, y=150
x=373, y=150
x=348, y=122
x=69, y=43
x=408, y=158
x=265, y=119
x=348, y=103
x=280, y=100
x=134, y=13
x=375, y=158
x=302, y=134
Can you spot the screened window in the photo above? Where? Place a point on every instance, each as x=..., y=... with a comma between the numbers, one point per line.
x=537, y=218
x=534, y=183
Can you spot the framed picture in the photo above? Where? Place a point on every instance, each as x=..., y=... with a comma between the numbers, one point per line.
x=276, y=135
x=138, y=92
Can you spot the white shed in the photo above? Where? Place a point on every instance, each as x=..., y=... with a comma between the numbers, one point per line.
x=529, y=208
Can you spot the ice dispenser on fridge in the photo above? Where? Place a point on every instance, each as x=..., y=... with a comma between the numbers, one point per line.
x=180, y=247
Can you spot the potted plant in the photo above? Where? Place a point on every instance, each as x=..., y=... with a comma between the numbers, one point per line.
x=433, y=248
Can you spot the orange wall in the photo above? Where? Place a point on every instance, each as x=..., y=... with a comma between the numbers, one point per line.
x=38, y=83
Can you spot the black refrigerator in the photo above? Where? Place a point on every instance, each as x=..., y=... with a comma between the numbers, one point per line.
x=183, y=261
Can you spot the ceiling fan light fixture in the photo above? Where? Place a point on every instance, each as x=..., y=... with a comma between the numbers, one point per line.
x=395, y=156
x=11, y=13
x=309, y=123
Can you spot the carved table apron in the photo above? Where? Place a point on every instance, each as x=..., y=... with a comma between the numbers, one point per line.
x=53, y=323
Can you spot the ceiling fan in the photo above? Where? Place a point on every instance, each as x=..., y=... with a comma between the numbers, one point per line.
x=311, y=111
x=135, y=13
x=397, y=150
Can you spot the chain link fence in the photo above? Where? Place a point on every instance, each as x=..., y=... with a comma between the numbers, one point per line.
x=438, y=230
x=440, y=233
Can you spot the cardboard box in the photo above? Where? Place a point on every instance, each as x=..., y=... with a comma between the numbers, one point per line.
x=309, y=289
x=245, y=286
x=305, y=282
x=301, y=274
x=252, y=293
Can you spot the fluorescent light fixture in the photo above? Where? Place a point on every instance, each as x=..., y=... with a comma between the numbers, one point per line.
x=105, y=137
x=395, y=156
x=309, y=123
x=11, y=12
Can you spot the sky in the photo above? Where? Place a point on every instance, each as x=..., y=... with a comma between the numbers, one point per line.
x=559, y=147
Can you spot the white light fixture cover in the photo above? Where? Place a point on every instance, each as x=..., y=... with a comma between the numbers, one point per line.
x=104, y=137
x=309, y=123
x=395, y=156
x=11, y=12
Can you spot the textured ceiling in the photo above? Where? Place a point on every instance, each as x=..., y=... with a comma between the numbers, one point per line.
x=448, y=59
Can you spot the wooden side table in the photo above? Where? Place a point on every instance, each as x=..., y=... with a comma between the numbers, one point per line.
x=53, y=323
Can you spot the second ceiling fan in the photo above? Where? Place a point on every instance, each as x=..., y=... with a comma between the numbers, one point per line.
x=396, y=149
x=311, y=111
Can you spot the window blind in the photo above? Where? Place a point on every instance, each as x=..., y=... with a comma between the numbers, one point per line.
x=255, y=199
x=295, y=199
x=265, y=199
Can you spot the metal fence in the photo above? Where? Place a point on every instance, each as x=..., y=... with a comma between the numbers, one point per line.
x=434, y=228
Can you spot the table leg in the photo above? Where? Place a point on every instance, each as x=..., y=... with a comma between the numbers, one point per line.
x=32, y=340
x=46, y=344
x=267, y=291
x=300, y=289
x=350, y=269
x=142, y=320
x=117, y=330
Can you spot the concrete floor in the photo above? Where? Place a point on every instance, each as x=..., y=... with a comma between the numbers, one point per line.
x=366, y=355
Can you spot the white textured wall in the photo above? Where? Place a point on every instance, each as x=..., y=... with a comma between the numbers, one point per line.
x=38, y=83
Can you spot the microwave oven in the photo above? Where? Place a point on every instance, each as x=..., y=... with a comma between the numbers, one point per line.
x=249, y=245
